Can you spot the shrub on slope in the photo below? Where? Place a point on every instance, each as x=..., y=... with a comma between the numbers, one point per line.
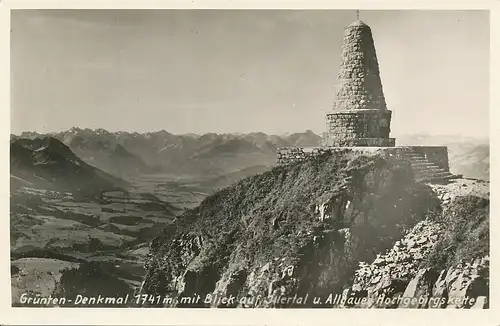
x=466, y=235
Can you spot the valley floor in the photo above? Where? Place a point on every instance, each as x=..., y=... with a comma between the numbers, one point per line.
x=53, y=233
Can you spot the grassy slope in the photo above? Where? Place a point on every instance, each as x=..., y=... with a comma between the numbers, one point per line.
x=466, y=235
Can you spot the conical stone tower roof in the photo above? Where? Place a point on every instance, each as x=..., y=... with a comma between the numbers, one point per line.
x=359, y=87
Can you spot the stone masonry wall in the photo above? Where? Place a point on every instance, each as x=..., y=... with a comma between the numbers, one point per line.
x=360, y=86
x=345, y=128
x=435, y=154
x=288, y=155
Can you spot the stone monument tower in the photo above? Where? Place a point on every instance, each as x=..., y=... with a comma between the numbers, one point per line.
x=360, y=116
x=360, y=121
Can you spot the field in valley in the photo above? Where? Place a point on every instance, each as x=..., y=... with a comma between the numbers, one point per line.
x=52, y=232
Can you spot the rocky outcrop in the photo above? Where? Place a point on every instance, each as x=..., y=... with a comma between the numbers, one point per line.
x=390, y=273
x=281, y=238
x=463, y=286
x=293, y=236
x=396, y=279
x=409, y=276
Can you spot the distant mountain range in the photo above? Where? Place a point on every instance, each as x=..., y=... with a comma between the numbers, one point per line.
x=124, y=153
x=213, y=155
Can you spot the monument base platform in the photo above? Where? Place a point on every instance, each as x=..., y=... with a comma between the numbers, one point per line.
x=426, y=162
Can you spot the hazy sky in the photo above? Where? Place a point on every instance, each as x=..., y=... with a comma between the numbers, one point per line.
x=240, y=71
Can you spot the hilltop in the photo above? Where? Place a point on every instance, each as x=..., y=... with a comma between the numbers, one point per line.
x=47, y=163
x=304, y=229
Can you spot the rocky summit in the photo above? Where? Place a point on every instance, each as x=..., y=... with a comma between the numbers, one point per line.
x=339, y=225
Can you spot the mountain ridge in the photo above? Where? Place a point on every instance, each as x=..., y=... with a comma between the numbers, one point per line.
x=51, y=164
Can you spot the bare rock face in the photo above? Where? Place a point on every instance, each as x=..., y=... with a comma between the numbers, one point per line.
x=404, y=277
x=389, y=275
x=468, y=281
x=462, y=286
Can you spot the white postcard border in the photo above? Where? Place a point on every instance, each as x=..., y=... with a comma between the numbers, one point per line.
x=181, y=316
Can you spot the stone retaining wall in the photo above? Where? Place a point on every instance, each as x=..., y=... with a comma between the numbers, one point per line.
x=288, y=155
x=437, y=155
